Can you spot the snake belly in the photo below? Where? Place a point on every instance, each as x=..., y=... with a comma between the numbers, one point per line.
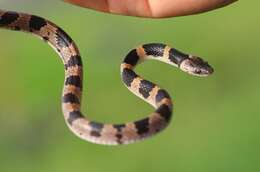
x=96, y=132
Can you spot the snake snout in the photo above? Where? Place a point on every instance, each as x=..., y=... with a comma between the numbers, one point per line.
x=209, y=70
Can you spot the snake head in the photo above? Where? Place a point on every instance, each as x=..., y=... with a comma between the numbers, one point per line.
x=196, y=66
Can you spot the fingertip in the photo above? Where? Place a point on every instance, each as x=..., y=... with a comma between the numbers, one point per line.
x=152, y=8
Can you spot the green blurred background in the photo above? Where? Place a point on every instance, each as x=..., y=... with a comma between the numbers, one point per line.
x=216, y=119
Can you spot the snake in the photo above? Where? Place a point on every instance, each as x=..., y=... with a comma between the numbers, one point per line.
x=97, y=132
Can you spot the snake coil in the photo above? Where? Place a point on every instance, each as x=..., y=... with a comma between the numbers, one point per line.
x=109, y=134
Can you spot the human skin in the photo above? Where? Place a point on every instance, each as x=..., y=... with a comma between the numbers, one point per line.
x=152, y=8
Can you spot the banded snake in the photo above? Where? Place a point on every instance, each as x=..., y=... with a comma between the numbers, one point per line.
x=96, y=132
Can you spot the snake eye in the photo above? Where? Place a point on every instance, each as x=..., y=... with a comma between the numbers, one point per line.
x=197, y=71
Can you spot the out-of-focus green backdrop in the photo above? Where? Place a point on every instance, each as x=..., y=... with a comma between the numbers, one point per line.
x=216, y=119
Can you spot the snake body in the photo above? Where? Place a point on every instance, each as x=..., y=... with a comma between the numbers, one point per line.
x=96, y=132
